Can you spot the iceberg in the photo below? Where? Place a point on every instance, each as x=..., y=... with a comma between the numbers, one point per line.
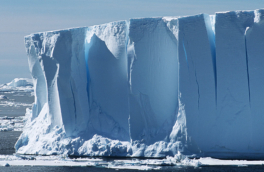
x=149, y=87
x=18, y=84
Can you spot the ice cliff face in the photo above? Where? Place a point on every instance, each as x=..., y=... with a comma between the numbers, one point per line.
x=149, y=87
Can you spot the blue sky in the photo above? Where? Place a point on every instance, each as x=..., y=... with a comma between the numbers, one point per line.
x=22, y=17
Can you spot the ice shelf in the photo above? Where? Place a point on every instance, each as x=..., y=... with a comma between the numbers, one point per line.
x=149, y=87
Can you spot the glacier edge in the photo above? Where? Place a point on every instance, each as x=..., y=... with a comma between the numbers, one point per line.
x=149, y=88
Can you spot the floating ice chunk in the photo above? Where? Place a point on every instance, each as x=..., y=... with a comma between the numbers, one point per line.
x=3, y=97
x=11, y=123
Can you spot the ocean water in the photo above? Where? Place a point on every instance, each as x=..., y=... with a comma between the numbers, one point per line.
x=7, y=142
x=16, y=105
x=165, y=169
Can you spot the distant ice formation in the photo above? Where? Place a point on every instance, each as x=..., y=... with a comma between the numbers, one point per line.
x=149, y=87
x=20, y=82
x=3, y=97
x=17, y=84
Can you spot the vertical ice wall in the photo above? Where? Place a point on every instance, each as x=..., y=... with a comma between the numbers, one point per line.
x=55, y=62
x=234, y=120
x=78, y=81
x=197, y=80
x=255, y=54
x=33, y=47
x=50, y=69
x=58, y=54
x=153, y=79
x=108, y=80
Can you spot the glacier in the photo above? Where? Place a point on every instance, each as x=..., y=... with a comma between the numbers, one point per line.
x=149, y=87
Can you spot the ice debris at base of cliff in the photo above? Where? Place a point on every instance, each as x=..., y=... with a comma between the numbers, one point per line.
x=149, y=87
x=178, y=162
x=53, y=141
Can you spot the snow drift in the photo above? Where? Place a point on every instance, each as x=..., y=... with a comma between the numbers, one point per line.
x=149, y=87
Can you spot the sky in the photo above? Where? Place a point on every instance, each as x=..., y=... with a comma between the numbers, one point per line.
x=19, y=18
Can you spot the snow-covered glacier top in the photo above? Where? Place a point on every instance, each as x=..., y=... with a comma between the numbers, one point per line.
x=149, y=87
